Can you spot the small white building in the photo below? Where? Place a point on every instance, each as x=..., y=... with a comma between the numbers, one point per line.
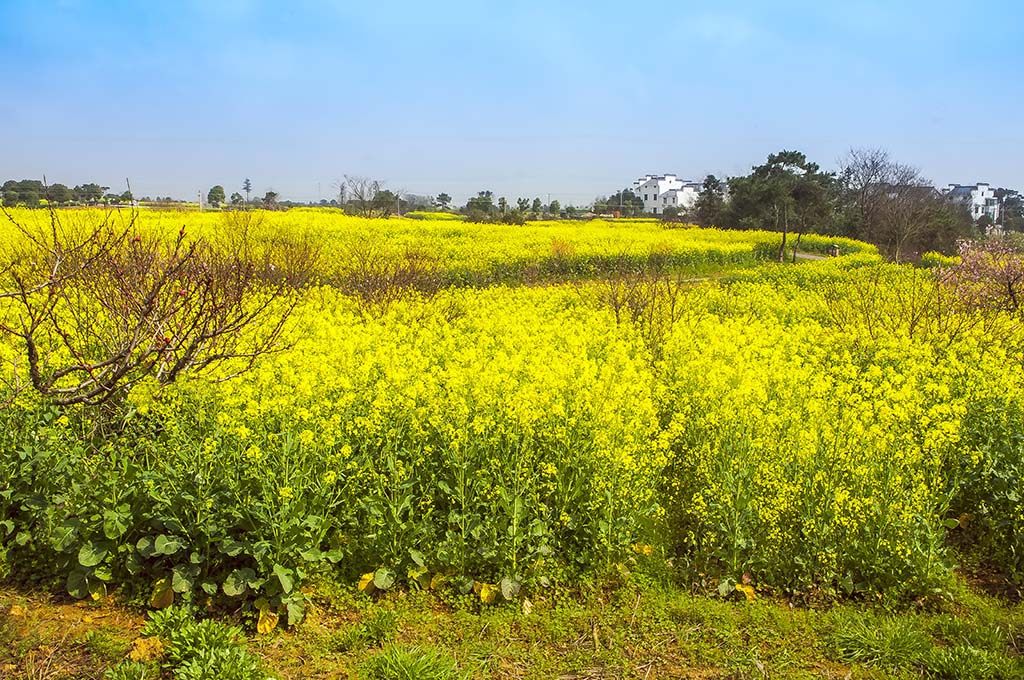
x=980, y=199
x=665, y=191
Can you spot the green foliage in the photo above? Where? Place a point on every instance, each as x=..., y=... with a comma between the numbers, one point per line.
x=378, y=627
x=131, y=670
x=887, y=642
x=961, y=650
x=987, y=484
x=220, y=663
x=709, y=208
x=413, y=663
x=787, y=193
x=481, y=204
x=31, y=192
x=216, y=196
x=968, y=663
x=206, y=650
x=104, y=644
x=625, y=202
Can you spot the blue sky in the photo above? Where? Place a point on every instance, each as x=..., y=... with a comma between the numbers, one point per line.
x=573, y=98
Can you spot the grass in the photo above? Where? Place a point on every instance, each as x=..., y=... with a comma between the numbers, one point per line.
x=411, y=663
x=625, y=632
x=885, y=642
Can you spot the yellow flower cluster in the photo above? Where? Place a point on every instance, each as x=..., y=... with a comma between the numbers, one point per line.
x=782, y=428
x=809, y=453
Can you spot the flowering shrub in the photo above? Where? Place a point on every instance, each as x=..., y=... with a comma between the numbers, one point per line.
x=989, y=274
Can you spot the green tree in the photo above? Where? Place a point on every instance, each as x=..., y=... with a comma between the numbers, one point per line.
x=247, y=188
x=384, y=203
x=26, y=192
x=787, y=192
x=270, y=199
x=480, y=208
x=624, y=202
x=59, y=194
x=126, y=197
x=1011, y=209
x=90, y=194
x=483, y=201
x=671, y=214
x=215, y=196
x=237, y=199
x=709, y=207
x=33, y=186
x=537, y=207
x=443, y=200
x=555, y=208
x=514, y=216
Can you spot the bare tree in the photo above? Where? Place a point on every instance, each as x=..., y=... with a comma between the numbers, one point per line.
x=889, y=203
x=920, y=306
x=358, y=194
x=646, y=294
x=377, y=276
x=99, y=308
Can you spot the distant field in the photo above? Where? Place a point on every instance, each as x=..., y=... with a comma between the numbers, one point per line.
x=463, y=253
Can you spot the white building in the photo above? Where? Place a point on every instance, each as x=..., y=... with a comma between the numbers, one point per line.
x=980, y=199
x=665, y=191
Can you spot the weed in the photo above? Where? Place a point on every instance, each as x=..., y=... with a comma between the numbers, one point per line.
x=889, y=643
x=131, y=670
x=375, y=629
x=207, y=650
x=966, y=663
x=410, y=663
x=105, y=645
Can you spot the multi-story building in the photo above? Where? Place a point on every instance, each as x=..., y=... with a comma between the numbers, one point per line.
x=665, y=191
x=980, y=199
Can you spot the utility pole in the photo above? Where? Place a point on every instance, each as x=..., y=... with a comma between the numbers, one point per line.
x=200, y=195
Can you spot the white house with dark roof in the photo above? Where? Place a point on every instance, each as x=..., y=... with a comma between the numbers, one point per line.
x=665, y=191
x=980, y=199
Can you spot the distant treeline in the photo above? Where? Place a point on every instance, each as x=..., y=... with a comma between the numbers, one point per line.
x=32, y=193
x=869, y=197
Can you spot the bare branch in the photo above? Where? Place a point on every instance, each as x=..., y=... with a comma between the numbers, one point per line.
x=99, y=309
